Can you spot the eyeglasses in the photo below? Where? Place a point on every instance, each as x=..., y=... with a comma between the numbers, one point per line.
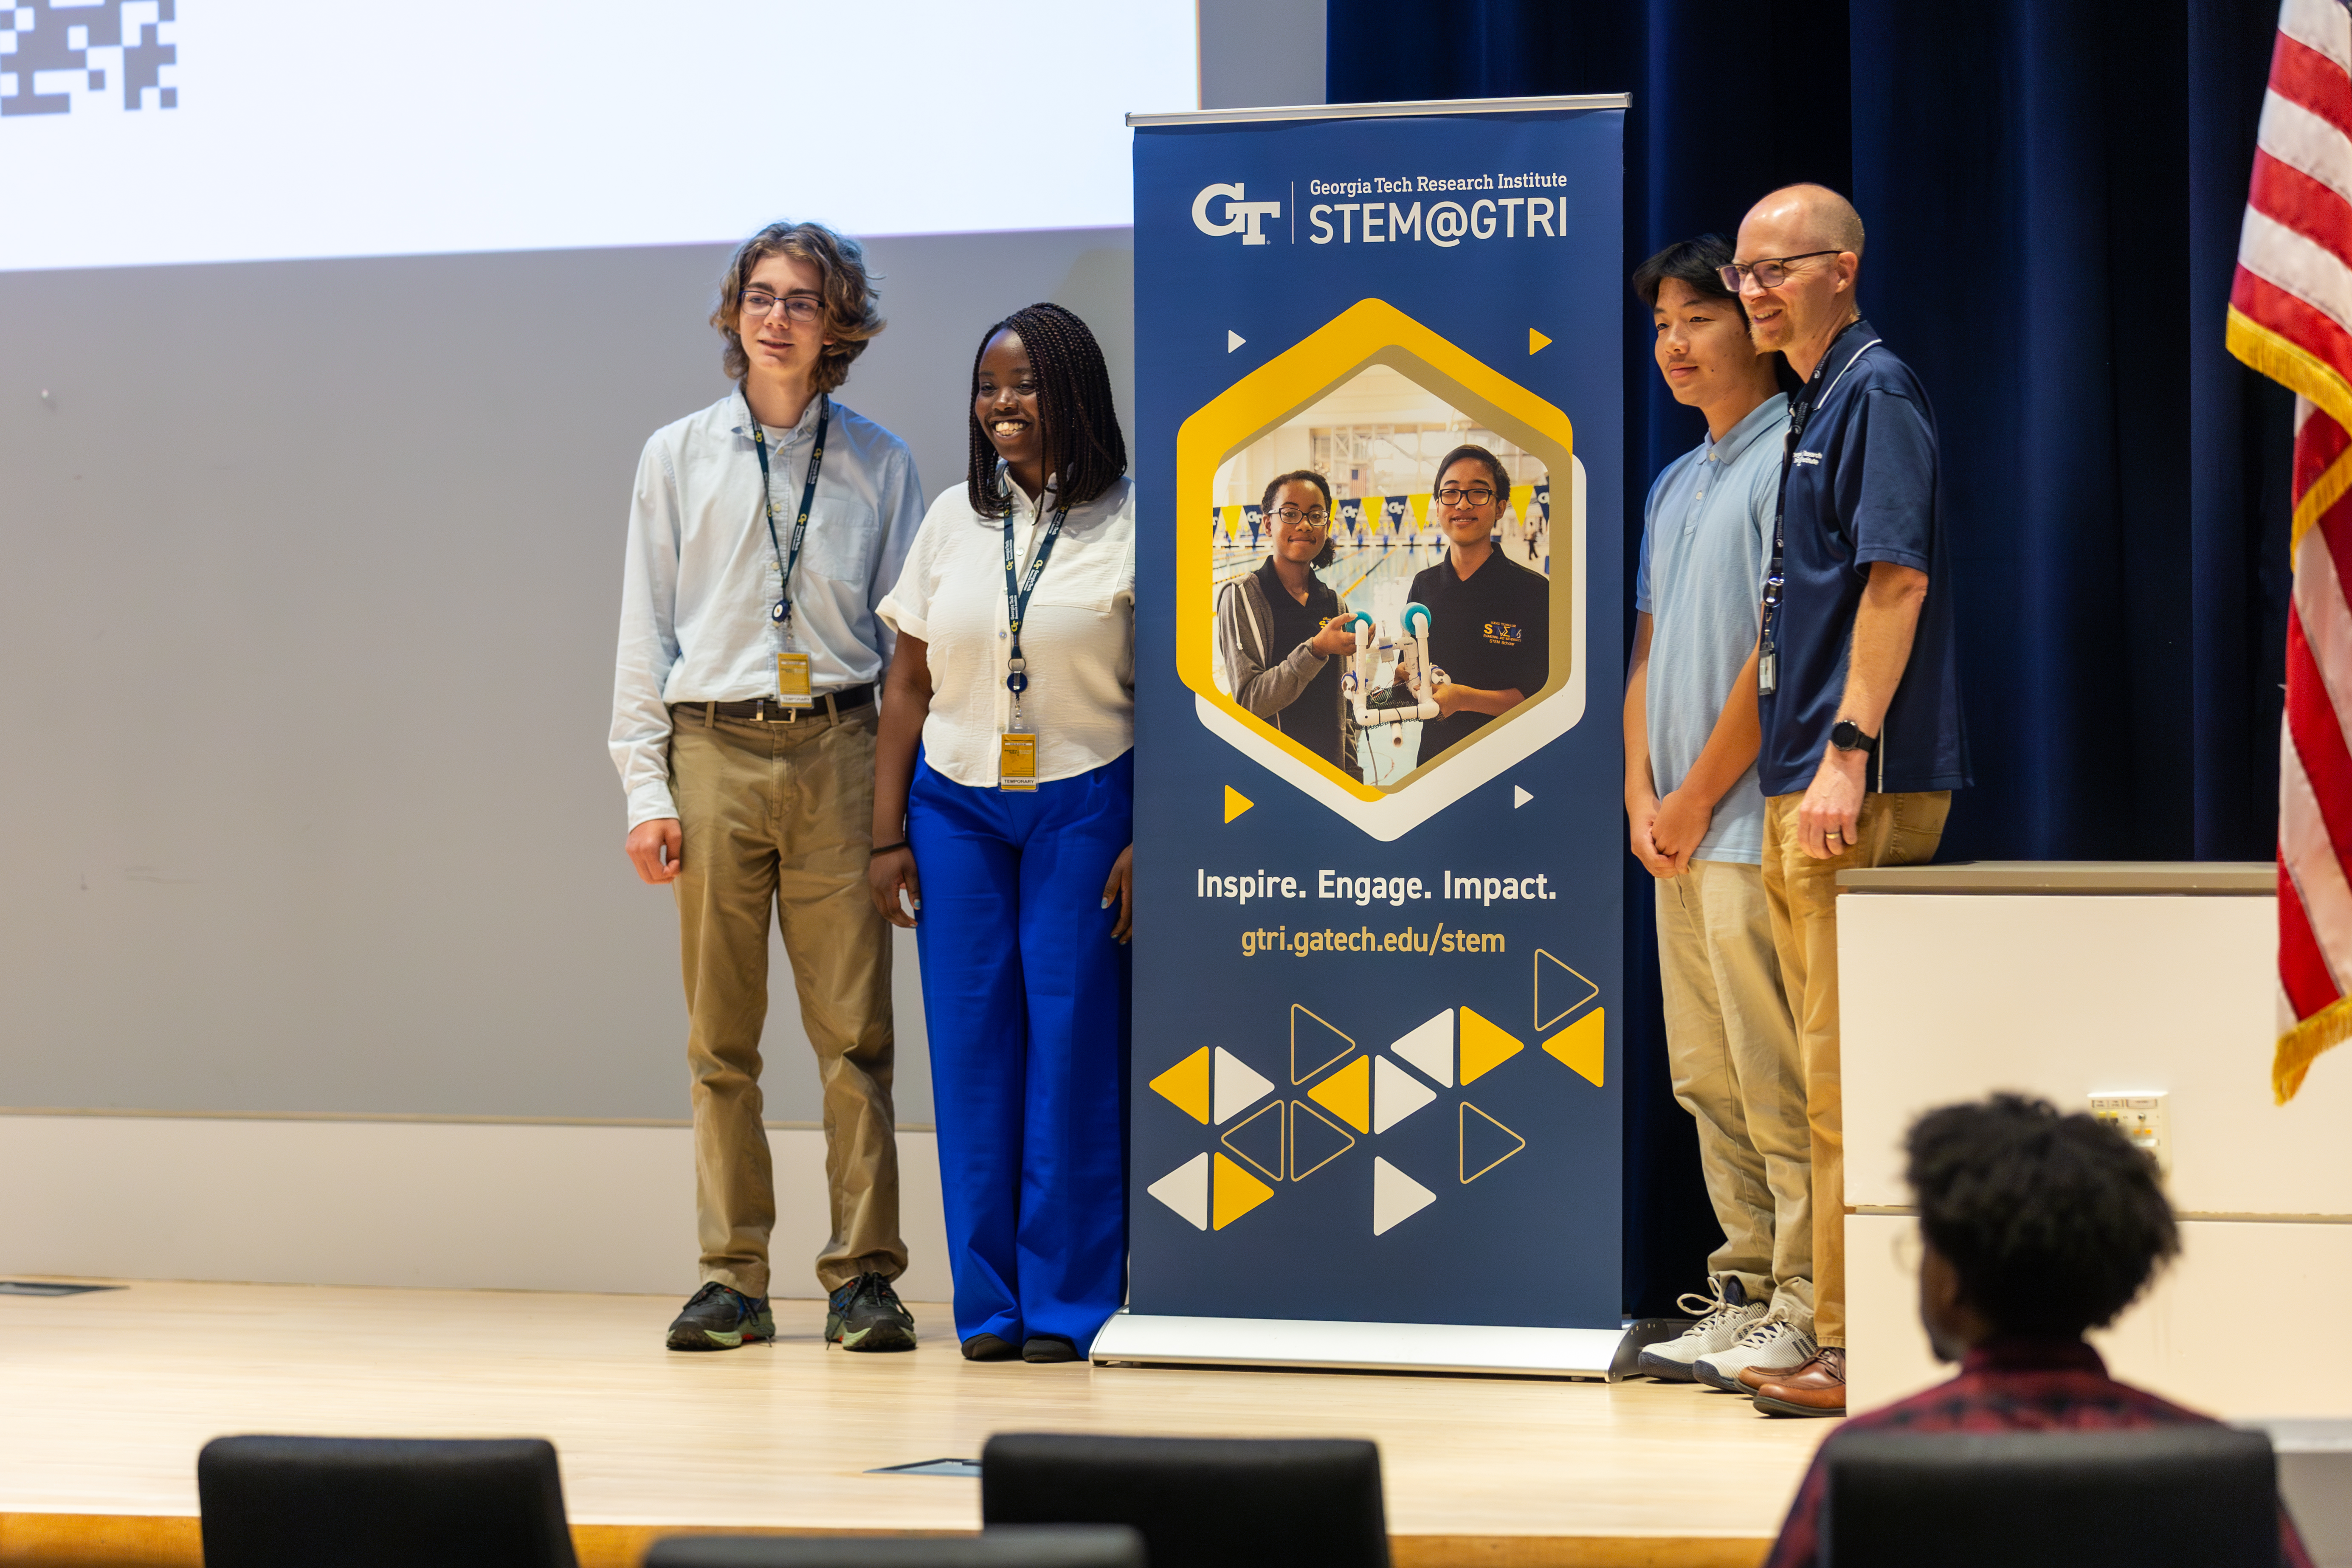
x=1769, y=274
x=1291, y=516
x=1455, y=495
x=800, y=308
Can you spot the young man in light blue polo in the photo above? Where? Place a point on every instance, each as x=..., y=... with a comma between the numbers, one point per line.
x=1698, y=822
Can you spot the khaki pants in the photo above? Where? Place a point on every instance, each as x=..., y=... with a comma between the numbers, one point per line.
x=1801, y=892
x=1733, y=1049
x=782, y=815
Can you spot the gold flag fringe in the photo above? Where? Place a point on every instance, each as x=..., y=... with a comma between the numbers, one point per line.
x=2304, y=1044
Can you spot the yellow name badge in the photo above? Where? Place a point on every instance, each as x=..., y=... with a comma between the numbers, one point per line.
x=793, y=680
x=1017, y=762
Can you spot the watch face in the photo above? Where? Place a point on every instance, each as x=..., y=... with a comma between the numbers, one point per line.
x=1847, y=736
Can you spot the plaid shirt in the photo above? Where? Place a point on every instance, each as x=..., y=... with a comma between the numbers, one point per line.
x=2009, y=1385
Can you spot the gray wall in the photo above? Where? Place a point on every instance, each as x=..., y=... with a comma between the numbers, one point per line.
x=1259, y=53
x=309, y=577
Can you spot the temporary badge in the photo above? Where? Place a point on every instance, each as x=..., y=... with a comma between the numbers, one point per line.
x=1016, y=761
x=793, y=679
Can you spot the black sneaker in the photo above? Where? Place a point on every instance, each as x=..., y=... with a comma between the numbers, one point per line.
x=719, y=1318
x=866, y=1315
x=1048, y=1348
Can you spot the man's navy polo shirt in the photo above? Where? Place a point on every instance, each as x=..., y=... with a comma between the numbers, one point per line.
x=1862, y=487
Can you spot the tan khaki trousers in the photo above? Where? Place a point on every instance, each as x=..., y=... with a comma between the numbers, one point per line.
x=1733, y=1049
x=782, y=815
x=1801, y=892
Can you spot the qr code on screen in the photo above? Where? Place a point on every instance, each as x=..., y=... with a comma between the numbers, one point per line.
x=57, y=56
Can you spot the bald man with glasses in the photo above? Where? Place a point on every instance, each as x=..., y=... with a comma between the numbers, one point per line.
x=1858, y=674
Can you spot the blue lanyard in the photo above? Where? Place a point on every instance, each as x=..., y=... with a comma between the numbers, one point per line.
x=1800, y=412
x=782, y=613
x=1016, y=597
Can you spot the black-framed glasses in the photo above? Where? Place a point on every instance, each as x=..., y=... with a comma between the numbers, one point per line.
x=1460, y=495
x=1769, y=273
x=1291, y=516
x=801, y=308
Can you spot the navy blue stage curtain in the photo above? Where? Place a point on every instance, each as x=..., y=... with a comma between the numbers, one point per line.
x=2053, y=196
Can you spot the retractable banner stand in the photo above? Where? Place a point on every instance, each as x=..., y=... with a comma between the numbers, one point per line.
x=1375, y=1070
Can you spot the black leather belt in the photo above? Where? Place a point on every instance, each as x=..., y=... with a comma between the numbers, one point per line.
x=768, y=711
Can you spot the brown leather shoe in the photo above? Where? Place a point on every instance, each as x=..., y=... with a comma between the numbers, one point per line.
x=1755, y=1377
x=1816, y=1388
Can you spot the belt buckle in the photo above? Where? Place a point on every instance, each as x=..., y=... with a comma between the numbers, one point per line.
x=790, y=715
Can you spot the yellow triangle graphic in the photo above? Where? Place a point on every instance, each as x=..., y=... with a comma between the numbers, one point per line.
x=1346, y=1140
x=1233, y=1192
x=1581, y=1045
x=1235, y=803
x=1485, y=1047
x=1536, y=341
x=1419, y=505
x=1280, y=1123
x=1185, y=1086
x=1349, y=1093
x=1559, y=991
x=1316, y=1041
x=1462, y=1120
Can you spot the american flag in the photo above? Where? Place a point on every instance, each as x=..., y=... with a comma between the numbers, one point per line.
x=2291, y=318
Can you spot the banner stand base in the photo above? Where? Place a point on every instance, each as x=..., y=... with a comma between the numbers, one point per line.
x=1142, y=1339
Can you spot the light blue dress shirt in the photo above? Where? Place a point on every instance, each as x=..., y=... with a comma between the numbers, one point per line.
x=1706, y=537
x=701, y=578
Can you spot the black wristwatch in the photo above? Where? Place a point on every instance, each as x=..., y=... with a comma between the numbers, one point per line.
x=1847, y=736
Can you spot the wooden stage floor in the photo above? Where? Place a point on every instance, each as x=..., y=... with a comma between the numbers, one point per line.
x=108, y=1396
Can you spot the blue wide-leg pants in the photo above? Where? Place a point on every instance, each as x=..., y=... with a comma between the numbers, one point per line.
x=1025, y=1001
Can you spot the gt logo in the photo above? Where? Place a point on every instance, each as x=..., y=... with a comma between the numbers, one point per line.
x=1240, y=216
x=1505, y=634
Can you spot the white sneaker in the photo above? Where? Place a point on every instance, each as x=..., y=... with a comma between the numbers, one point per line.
x=1728, y=1313
x=1773, y=1346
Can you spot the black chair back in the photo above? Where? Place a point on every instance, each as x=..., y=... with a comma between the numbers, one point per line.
x=1005, y=1546
x=2161, y=1497
x=1201, y=1502
x=378, y=1502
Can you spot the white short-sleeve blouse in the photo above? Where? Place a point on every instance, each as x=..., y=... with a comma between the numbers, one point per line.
x=1079, y=640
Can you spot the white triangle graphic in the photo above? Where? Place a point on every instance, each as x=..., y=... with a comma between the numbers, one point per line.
x=1520, y=798
x=1396, y=1094
x=1431, y=1048
x=1233, y=340
x=1396, y=1197
x=1235, y=1086
x=1185, y=1189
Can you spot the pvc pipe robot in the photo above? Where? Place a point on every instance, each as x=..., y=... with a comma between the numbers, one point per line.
x=1390, y=678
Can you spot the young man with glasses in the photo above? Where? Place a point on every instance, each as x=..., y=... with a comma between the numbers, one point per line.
x=1857, y=673
x=1490, y=618
x=1698, y=825
x=1283, y=633
x=762, y=533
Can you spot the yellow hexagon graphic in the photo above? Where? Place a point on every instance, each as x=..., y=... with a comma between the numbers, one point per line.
x=1370, y=333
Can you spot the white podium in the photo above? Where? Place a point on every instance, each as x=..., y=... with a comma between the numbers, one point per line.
x=2069, y=980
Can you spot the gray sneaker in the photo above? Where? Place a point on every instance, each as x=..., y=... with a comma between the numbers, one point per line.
x=1727, y=1315
x=866, y=1315
x=1773, y=1346
x=720, y=1318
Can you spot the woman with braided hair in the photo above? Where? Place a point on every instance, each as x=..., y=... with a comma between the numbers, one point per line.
x=1004, y=771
